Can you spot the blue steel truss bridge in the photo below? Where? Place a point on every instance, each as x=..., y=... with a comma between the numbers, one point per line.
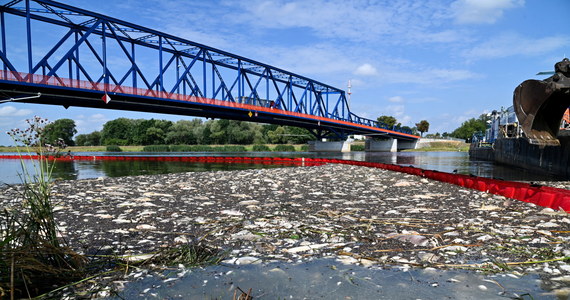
x=57, y=54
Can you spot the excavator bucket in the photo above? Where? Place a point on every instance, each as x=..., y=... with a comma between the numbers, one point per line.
x=540, y=105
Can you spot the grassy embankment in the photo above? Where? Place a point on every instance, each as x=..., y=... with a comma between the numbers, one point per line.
x=444, y=146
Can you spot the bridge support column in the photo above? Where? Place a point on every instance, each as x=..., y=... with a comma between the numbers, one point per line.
x=384, y=145
x=405, y=144
x=319, y=146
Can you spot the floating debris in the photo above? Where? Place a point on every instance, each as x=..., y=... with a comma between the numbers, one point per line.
x=363, y=215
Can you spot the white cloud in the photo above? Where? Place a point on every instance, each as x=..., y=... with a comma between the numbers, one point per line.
x=396, y=110
x=317, y=59
x=435, y=77
x=482, y=11
x=87, y=124
x=366, y=70
x=389, y=22
x=511, y=44
x=11, y=111
x=451, y=75
x=396, y=99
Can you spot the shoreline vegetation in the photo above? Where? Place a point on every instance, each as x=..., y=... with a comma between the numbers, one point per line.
x=443, y=146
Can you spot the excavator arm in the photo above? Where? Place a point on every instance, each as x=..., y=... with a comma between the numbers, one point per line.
x=540, y=105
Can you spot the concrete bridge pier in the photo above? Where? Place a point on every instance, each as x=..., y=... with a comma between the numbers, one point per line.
x=389, y=145
x=383, y=145
x=406, y=144
x=320, y=146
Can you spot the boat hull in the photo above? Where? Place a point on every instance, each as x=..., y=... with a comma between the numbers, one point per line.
x=518, y=152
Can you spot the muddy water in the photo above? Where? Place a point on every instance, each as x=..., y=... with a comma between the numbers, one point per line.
x=330, y=279
x=457, y=162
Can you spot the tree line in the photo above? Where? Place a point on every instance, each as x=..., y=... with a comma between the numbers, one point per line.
x=389, y=122
x=124, y=132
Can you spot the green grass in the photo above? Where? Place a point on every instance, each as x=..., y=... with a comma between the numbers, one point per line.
x=156, y=148
x=189, y=255
x=284, y=148
x=357, y=147
x=443, y=146
x=32, y=257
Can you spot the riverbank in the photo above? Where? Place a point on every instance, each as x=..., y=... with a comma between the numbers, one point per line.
x=140, y=148
x=356, y=146
x=442, y=146
x=359, y=215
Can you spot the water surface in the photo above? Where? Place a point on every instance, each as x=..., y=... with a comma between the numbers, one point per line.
x=330, y=279
x=451, y=162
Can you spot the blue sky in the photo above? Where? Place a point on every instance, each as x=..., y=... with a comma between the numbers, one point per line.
x=440, y=61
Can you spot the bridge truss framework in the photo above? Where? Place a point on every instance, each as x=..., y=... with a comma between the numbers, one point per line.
x=141, y=69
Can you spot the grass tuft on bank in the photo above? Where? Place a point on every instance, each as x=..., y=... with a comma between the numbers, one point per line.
x=36, y=262
x=443, y=146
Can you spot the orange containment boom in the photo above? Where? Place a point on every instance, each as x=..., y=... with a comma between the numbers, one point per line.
x=554, y=198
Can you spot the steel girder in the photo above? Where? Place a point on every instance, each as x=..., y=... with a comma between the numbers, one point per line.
x=92, y=44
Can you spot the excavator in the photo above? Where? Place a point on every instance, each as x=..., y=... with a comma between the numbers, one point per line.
x=541, y=106
x=565, y=125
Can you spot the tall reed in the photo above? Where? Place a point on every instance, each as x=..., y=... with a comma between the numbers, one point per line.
x=32, y=257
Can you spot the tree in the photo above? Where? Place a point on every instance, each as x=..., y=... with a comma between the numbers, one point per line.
x=154, y=136
x=80, y=139
x=60, y=129
x=93, y=139
x=182, y=132
x=90, y=139
x=138, y=131
x=469, y=127
x=218, y=134
x=423, y=126
x=389, y=121
x=277, y=136
x=117, y=132
x=412, y=130
x=297, y=135
x=149, y=132
x=240, y=133
x=202, y=133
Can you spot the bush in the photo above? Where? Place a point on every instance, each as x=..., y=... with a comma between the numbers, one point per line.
x=193, y=148
x=305, y=148
x=261, y=148
x=180, y=148
x=114, y=148
x=156, y=148
x=357, y=147
x=200, y=148
x=284, y=148
x=230, y=148
x=114, y=141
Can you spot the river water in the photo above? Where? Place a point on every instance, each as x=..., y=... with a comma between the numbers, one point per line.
x=331, y=279
x=457, y=162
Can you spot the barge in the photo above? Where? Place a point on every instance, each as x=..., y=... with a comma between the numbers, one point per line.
x=534, y=133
